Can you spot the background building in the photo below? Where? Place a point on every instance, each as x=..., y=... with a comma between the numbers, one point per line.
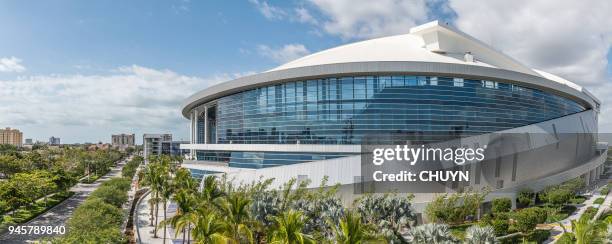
x=54, y=141
x=307, y=119
x=123, y=141
x=162, y=144
x=29, y=141
x=11, y=136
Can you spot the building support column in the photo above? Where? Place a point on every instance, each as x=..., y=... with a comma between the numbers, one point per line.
x=206, y=125
x=192, y=129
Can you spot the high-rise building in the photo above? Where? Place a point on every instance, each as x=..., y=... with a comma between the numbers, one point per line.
x=162, y=144
x=123, y=141
x=11, y=136
x=54, y=141
x=156, y=144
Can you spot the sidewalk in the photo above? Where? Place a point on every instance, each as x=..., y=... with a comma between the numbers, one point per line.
x=145, y=229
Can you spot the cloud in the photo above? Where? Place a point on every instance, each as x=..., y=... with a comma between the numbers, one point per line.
x=568, y=38
x=269, y=11
x=283, y=54
x=128, y=99
x=11, y=64
x=358, y=19
x=303, y=16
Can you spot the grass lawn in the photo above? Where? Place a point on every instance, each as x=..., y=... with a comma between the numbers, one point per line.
x=578, y=200
x=26, y=213
x=599, y=201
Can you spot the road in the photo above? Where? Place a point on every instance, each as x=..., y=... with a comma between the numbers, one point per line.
x=58, y=215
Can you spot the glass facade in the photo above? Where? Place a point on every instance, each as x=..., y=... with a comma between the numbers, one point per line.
x=199, y=173
x=263, y=159
x=344, y=110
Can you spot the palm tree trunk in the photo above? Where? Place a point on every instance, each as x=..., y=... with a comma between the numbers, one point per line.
x=184, y=235
x=164, y=221
x=189, y=234
x=156, y=214
x=151, y=211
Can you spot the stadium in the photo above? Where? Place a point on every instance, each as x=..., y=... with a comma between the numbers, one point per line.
x=308, y=119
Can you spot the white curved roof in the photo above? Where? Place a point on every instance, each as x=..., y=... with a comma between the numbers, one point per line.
x=431, y=42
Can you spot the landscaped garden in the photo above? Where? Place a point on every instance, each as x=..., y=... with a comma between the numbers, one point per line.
x=99, y=218
x=32, y=181
x=458, y=213
x=223, y=212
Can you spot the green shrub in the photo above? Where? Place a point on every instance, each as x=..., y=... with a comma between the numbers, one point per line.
x=525, y=197
x=500, y=226
x=559, y=196
x=590, y=211
x=541, y=215
x=122, y=184
x=130, y=168
x=527, y=219
x=501, y=205
x=566, y=238
x=539, y=236
x=573, y=185
x=99, y=219
x=577, y=200
x=599, y=200
x=604, y=191
x=111, y=195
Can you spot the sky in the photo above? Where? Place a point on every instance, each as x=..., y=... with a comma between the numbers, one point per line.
x=83, y=70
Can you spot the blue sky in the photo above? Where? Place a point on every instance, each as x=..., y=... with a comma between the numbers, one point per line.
x=87, y=69
x=192, y=38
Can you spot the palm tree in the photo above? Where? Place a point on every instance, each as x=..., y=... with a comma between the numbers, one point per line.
x=185, y=215
x=586, y=230
x=166, y=192
x=153, y=175
x=235, y=208
x=210, y=229
x=152, y=203
x=430, y=233
x=480, y=235
x=186, y=187
x=609, y=234
x=210, y=193
x=184, y=181
x=288, y=229
x=351, y=230
x=157, y=177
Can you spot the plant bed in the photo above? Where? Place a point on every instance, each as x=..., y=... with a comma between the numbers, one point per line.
x=599, y=201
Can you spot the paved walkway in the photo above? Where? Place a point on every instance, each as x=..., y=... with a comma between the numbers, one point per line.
x=58, y=215
x=557, y=231
x=143, y=223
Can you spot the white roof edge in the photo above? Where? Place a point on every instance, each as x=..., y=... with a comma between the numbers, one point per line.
x=566, y=82
x=493, y=55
